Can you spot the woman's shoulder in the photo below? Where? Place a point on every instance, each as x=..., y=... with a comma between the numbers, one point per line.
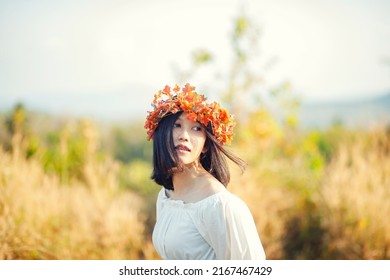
x=232, y=199
x=225, y=207
x=213, y=195
x=162, y=193
x=227, y=201
x=210, y=185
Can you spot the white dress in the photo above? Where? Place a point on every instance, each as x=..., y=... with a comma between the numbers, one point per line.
x=219, y=227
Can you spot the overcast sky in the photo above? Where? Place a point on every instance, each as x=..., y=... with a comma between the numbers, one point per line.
x=92, y=48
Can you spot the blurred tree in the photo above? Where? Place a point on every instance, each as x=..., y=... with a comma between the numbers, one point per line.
x=16, y=124
x=244, y=84
x=16, y=121
x=129, y=143
x=70, y=149
x=199, y=58
x=268, y=123
x=18, y=137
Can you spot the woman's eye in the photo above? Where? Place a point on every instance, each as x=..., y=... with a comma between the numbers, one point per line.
x=197, y=128
x=176, y=125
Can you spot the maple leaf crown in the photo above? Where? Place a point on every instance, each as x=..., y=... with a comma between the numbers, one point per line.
x=187, y=100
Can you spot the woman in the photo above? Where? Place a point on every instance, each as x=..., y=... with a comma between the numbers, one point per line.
x=197, y=217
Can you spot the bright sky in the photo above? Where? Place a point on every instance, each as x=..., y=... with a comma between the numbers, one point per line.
x=92, y=48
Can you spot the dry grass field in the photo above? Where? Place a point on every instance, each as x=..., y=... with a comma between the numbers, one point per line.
x=317, y=196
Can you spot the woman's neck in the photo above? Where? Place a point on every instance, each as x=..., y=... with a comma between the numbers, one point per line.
x=184, y=180
x=194, y=184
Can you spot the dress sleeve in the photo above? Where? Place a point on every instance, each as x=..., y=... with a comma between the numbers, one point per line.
x=159, y=201
x=231, y=231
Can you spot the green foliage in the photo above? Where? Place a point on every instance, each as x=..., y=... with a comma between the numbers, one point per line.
x=33, y=146
x=136, y=176
x=304, y=237
x=242, y=28
x=67, y=150
x=64, y=155
x=129, y=143
x=311, y=149
x=201, y=56
x=17, y=121
x=17, y=134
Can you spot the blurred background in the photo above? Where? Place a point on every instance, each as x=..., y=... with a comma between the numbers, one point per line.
x=308, y=81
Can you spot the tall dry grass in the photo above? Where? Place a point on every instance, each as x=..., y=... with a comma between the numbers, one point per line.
x=43, y=218
x=309, y=207
x=355, y=198
x=306, y=204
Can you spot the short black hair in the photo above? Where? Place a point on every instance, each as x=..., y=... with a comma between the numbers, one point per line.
x=166, y=161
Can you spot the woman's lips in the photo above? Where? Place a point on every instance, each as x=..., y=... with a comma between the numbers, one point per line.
x=182, y=148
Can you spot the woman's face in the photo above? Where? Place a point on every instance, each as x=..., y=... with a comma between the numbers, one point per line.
x=188, y=138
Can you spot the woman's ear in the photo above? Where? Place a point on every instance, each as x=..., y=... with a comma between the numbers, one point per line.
x=204, y=150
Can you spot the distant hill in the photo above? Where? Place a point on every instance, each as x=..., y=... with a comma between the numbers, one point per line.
x=351, y=113
x=132, y=104
x=122, y=105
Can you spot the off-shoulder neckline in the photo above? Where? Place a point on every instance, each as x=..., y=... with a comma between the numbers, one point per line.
x=182, y=202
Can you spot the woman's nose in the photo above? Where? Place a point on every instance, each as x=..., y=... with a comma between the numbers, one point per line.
x=183, y=136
